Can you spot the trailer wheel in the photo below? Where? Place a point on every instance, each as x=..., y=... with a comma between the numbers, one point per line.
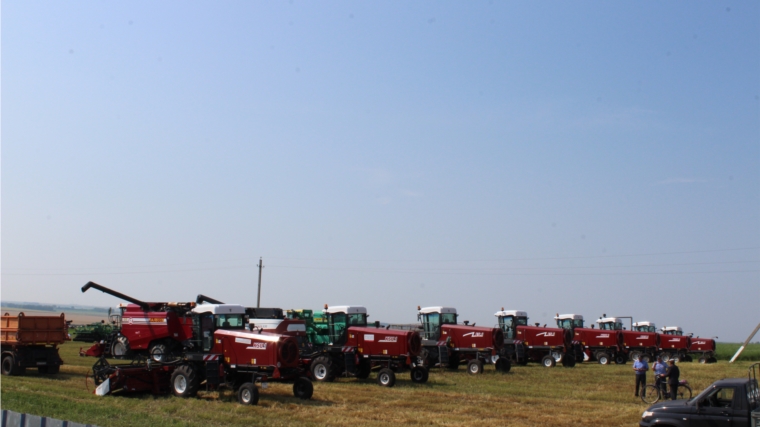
x=620, y=359
x=548, y=361
x=503, y=365
x=184, y=381
x=603, y=358
x=419, y=375
x=159, y=352
x=568, y=361
x=386, y=378
x=363, y=370
x=8, y=365
x=248, y=394
x=474, y=367
x=303, y=388
x=322, y=369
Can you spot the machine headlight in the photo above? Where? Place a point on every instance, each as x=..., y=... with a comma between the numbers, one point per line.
x=647, y=414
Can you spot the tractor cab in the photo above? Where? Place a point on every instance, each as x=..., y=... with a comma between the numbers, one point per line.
x=672, y=330
x=207, y=318
x=340, y=318
x=610, y=323
x=433, y=317
x=509, y=321
x=569, y=321
x=644, y=327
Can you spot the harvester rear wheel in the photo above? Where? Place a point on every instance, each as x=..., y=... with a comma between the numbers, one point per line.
x=503, y=365
x=322, y=369
x=568, y=361
x=303, y=388
x=603, y=358
x=548, y=361
x=185, y=381
x=248, y=394
x=386, y=378
x=419, y=375
x=474, y=367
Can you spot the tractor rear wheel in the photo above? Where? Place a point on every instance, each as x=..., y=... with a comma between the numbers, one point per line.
x=603, y=358
x=568, y=361
x=620, y=359
x=248, y=394
x=548, y=361
x=386, y=378
x=503, y=365
x=303, y=388
x=419, y=375
x=322, y=369
x=185, y=381
x=363, y=370
x=474, y=367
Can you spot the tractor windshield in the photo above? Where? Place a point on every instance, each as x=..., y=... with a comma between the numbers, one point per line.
x=611, y=326
x=673, y=333
x=565, y=323
x=230, y=321
x=357, y=319
x=507, y=325
x=339, y=322
x=578, y=323
x=448, y=319
x=431, y=325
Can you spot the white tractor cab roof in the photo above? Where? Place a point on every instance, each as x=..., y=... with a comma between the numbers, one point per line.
x=439, y=309
x=672, y=329
x=643, y=324
x=219, y=309
x=515, y=313
x=568, y=316
x=348, y=309
x=609, y=320
x=267, y=324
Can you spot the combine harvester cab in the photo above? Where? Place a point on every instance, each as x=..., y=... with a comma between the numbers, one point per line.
x=674, y=344
x=643, y=340
x=704, y=349
x=526, y=343
x=32, y=342
x=157, y=330
x=600, y=345
x=344, y=345
x=449, y=344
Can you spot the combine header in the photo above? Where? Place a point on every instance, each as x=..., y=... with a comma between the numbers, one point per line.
x=600, y=345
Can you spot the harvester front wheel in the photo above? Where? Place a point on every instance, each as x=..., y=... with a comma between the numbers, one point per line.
x=322, y=369
x=558, y=356
x=634, y=355
x=665, y=356
x=603, y=358
x=474, y=367
x=303, y=388
x=453, y=362
x=419, y=375
x=248, y=394
x=120, y=347
x=159, y=352
x=568, y=361
x=548, y=361
x=184, y=381
x=503, y=365
x=386, y=378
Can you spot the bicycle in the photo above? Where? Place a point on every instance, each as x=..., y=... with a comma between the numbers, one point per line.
x=652, y=393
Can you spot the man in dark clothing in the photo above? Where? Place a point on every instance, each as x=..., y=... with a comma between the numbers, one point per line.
x=672, y=375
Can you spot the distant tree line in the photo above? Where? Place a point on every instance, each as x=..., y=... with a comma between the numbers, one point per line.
x=44, y=307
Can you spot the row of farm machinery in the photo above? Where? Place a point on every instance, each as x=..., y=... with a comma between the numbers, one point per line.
x=183, y=347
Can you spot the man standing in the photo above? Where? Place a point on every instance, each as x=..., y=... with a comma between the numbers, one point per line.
x=660, y=369
x=641, y=367
x=672, y=375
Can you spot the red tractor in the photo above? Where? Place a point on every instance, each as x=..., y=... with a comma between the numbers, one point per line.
x=704, y=348
x=602, y=346
x=449, y=344
x=534, y=343
x=674, y=344
x=352, y=349
x=643, y=340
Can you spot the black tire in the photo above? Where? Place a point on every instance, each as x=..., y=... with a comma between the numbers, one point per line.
x=303, y=388
x=185, y=381
x=247, y=394
x=159, y=352
x=558, y=356
x=712, y=359
x=683, y=392
x=603, y=358
x=688, y=358
x=120, y=348
x=523, y=362
x=650, y=394
x=386, y=378
x=503, y=365
x=474, y=367
x=568, y=361
x=548, y=361
x=363, y=370
x=453, y=362
x=322, y=369
x=8, y=365
x=634, y=355
x=53, y=369
x=620, y=359
x=42, y=369
x=419, y=375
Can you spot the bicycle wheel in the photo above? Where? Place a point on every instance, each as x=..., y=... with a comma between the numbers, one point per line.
x=683, y=392
x=650, y=394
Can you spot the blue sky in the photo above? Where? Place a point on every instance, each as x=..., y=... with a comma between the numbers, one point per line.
x=585, y=157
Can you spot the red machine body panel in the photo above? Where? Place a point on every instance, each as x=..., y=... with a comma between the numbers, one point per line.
x=478, y=338
x=142, y=327
x=674, y=342
x=702, y=344
x=533, y=336
x=384, y=342
x=598, y=337
x=253, y=349
x=633, y=339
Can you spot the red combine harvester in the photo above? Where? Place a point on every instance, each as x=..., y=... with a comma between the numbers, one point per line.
x=448, y=344
x=641, y=341
x=674, y=344
x=353, y=349
x=534, y=343
x=704, y=348
x=599, y=345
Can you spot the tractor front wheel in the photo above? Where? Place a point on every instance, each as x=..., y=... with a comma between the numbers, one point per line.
x=184, y=381
x=603, y=358
x=503, y=365
x=386, y=378
x=322, y=369
x=548, y=361
x=303, y=388
x=474, y=367
x=248, y=394
x=419, y=375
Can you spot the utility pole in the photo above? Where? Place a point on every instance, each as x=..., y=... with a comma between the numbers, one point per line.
x=258, y=300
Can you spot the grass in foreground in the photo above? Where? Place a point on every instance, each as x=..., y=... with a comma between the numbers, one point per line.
x=589, y=394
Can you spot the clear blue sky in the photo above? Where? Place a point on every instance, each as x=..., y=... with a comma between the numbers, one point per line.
x=573, y=157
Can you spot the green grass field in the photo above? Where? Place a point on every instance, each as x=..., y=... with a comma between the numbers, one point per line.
x=589, y=394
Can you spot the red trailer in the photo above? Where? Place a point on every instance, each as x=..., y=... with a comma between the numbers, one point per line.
x=547, y=346
x=674, y=344
x=32, y=342
x=599, y=345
